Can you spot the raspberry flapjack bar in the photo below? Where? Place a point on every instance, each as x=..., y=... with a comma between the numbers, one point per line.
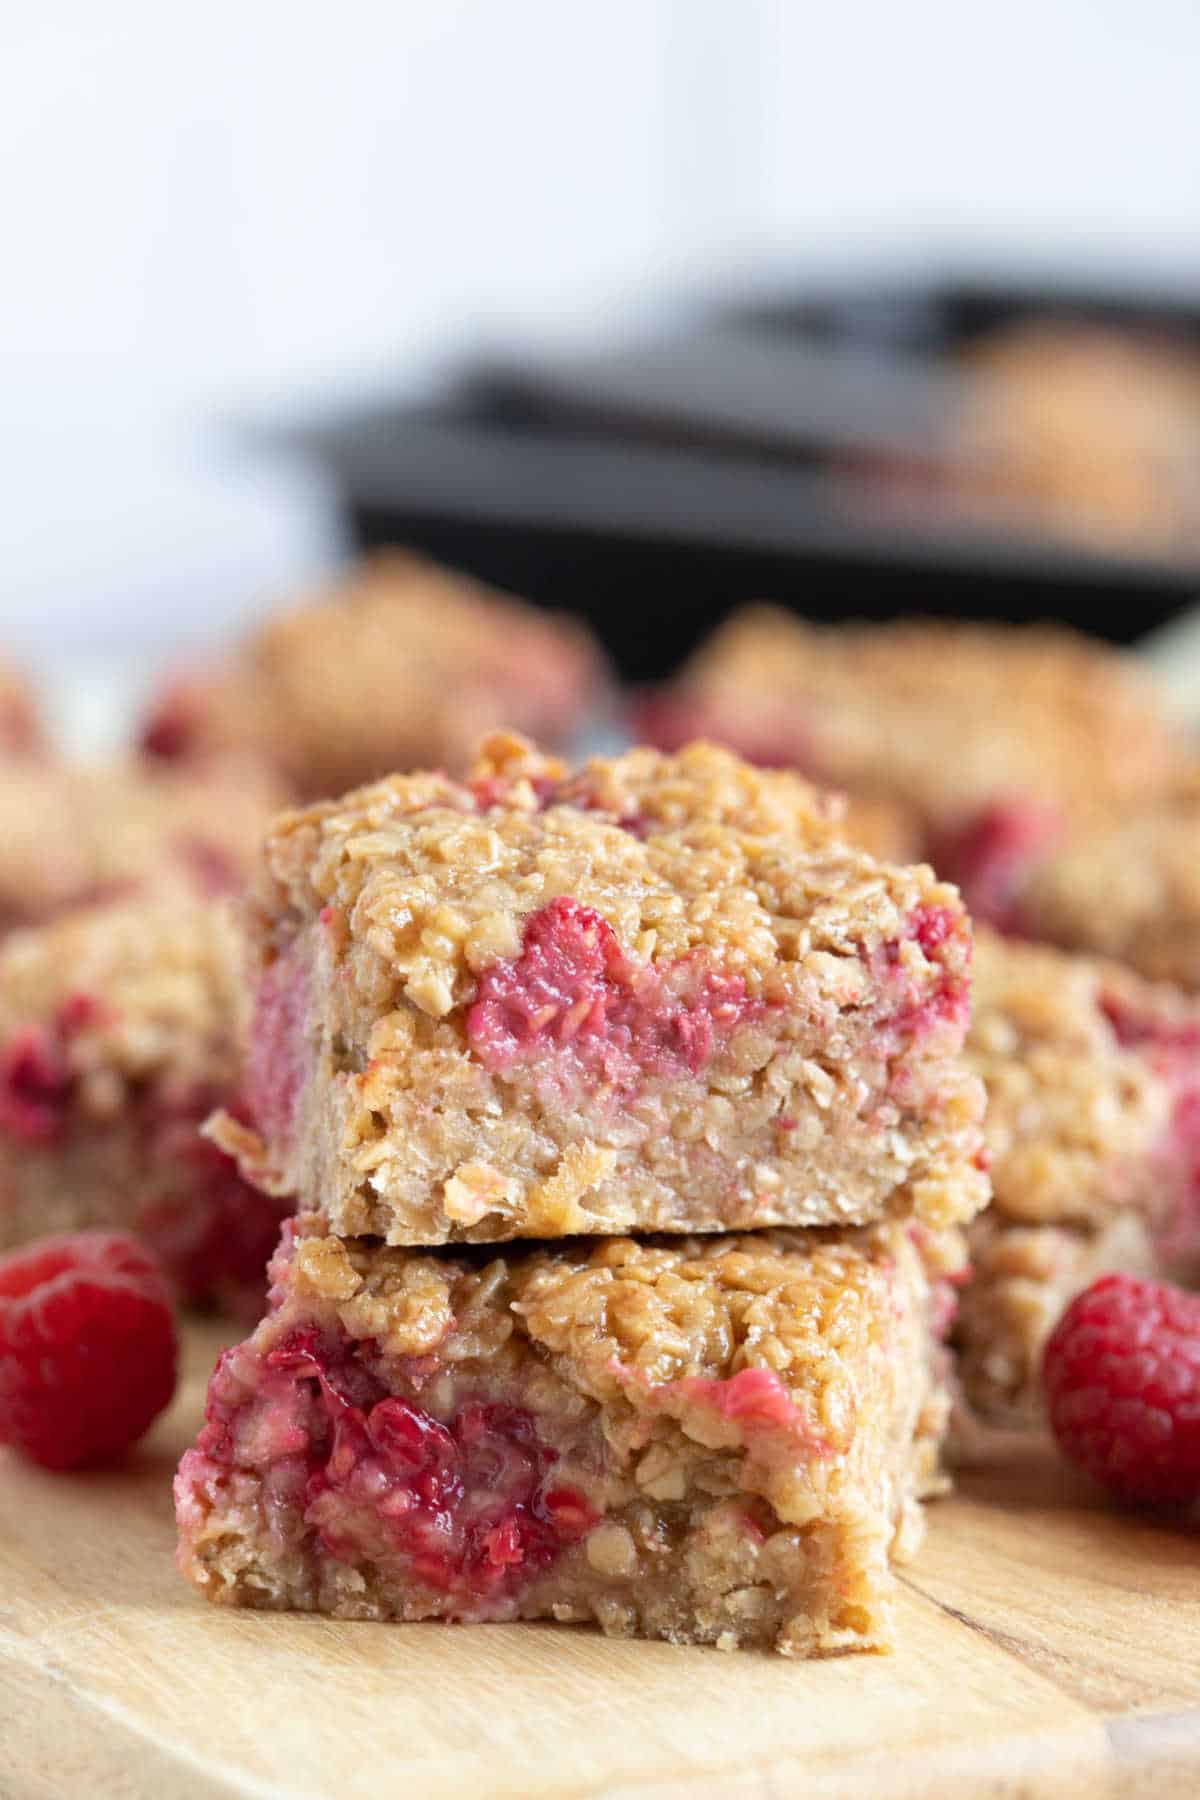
x=1093, y=1129
x=76, y=835
x=1000, y=739
x=120, y=1029
x=659, y=993
x=1128, y=887
x=399, y=664
x=717, y=1440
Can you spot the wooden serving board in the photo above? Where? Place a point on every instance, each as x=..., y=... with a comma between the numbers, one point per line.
x=1048, y=1647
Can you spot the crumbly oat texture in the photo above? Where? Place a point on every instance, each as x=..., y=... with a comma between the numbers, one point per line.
x=1128, y=888
x=1093, y=1132
x=659, y=993
x=718, y=1440
x=72, y=836
x=398, y=664
x=120, y=1029
x=1023, y=1278
x=951, y=720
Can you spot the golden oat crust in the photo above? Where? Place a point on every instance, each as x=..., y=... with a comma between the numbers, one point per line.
x=72, y=835
x=833, y=1097
x=947, y=718
x=163, y=985
x=1074, y=1116
x=708, y=1524
x=397, y=663
x=1128, y=888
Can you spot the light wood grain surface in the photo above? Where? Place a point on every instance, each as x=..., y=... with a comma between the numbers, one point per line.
x=1048, y=1647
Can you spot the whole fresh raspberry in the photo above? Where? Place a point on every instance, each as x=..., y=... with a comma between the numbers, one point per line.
x=1121, y=1375
x=87, y=1347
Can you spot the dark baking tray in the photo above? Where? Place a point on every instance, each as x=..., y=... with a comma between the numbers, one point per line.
x=780, y=395
x=654, y=542
x=942, y=311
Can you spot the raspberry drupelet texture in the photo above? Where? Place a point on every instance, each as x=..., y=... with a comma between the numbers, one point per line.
x=997, y=739
x=87, y=1347
x=72, y=836
x=1093, y=1135
x=121, y=1029
x=718, y=1440
x=398, y=664
x=1122, y=1381
x=659, y=993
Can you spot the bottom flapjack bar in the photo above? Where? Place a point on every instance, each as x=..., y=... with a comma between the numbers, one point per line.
x=719, y=1440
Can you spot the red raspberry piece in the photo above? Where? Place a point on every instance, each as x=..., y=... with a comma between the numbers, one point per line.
x=1122, y=1380
x=991, y=854
x=173, y=729
x=87, y=1347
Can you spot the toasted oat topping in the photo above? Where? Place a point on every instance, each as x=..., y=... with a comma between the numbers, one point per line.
x=678, y=853
x=621, y=1310
x=948, y=717
x=144, y=987
x=396, y=663
x=76, y=834
x=1074, y=1116
x=1129, y=888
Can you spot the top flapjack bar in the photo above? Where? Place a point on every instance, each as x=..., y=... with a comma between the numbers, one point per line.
x=658, y=993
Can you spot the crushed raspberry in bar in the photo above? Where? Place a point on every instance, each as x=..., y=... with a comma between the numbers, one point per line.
x=930, y=927
x=213, y=1232
x=215, y=872
x=1172, y=1044
x=468, y=1507
x=35, y=1087
x=752, y=1398
x=1138, y=1028
x=171, y=733
x=991, y=854
x=35, y=1077
x=277, y=1059
x=922, y=1010
x=574, y=990
x=87, y=1347
x=1178, y=1240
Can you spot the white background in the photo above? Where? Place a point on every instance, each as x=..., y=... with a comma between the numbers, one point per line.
x=257, y=208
